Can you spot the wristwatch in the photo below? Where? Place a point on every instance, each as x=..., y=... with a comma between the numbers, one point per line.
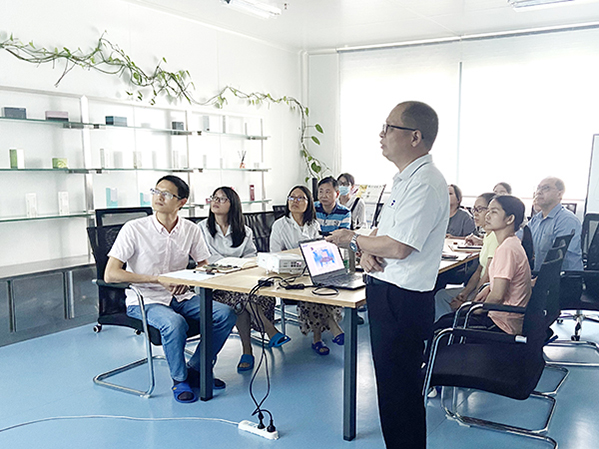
x=353, y=244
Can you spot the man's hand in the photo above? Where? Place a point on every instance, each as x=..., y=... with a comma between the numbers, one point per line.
x=371, y=263
x=175, y=289
x=482, y=295
x=340, y=237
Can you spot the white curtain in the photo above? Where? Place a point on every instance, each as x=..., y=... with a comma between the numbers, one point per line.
x=513, y=109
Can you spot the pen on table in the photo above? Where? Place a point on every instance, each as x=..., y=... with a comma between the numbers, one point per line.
x=204, y=272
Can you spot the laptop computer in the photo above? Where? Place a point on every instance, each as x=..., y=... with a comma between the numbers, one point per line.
x=325, y=265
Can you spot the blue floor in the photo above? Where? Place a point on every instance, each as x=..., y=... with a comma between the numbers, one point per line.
x=51, y=377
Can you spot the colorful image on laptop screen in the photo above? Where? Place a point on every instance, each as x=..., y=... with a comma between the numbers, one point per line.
x=322, y=257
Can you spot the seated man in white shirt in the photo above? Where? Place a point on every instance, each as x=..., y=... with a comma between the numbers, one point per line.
x=155, y=245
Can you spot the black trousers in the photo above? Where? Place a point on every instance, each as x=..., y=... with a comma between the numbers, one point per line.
x=400, y=321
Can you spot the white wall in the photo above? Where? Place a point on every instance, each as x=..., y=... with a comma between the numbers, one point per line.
x=214, y=58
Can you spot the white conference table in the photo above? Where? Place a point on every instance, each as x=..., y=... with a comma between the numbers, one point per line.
x=245, y=280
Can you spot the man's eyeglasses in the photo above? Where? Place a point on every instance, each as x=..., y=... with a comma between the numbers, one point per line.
x=479, y=209
x=218, y=199
x=544, y=189
x=386, y=126
x=297, y=199
x=166, y=195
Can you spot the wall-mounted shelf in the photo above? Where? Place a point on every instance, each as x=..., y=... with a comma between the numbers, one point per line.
x=45, y=217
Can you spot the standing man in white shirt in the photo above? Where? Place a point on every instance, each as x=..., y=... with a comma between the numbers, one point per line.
x=155, y=245
x=402, y=258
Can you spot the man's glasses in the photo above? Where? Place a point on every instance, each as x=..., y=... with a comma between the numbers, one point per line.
x=297, y=199
x=166, y=195
x=543, y=189
x=479, y=209
x=218, y=199
x=386, y=126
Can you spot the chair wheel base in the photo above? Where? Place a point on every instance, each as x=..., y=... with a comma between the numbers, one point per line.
x=97, y=328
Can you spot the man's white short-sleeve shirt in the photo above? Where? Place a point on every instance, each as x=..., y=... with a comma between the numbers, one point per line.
x=416, y=214
x=148, y=248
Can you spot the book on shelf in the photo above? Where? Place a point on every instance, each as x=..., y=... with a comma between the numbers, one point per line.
x=230, y=264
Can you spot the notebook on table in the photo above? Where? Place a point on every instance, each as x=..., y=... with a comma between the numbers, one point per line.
x=325, y=265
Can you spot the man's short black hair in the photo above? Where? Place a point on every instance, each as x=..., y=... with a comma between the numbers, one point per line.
x=421, y=116
x=329, y=180
x=182, y=187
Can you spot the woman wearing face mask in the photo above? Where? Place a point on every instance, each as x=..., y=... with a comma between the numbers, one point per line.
x=449, y=299
x=227, y=236
x=348, y=198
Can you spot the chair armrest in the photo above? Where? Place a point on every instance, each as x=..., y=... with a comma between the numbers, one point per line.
x=102, y=283
x=498, y=337
x=503, y=308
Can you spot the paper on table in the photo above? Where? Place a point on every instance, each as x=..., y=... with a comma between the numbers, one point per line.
x=191, y=275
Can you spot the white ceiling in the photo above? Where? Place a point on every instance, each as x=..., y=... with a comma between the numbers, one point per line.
x=313, y=25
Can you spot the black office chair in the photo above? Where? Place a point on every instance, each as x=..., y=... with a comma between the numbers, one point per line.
x=580, y=292
x=112, y=311
x=120, y=215
x=507, y=365
x=261, y=225
x=279, y=211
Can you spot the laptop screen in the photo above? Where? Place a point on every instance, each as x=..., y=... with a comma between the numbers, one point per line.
x=322, y=257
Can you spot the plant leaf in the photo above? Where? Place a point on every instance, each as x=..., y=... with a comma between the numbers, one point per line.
x=319, y=128
x=316, y=167
x=315, y=140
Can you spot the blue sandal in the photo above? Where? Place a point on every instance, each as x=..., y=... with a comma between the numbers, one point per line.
x=249, y=360
x=278, y=340
x=339, y=339
x=320, y=348
x=180, y=389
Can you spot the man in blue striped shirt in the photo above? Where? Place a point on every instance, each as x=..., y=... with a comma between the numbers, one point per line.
x=330, y=214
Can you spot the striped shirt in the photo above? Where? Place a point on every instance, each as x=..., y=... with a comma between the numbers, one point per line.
x=340, y=217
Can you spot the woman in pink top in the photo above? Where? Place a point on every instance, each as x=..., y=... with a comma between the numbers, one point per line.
x=509, y=270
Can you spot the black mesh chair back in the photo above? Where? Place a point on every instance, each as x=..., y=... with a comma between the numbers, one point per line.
x=261, y=225
x=120, y=215
x=279, y=211
x=589, y=233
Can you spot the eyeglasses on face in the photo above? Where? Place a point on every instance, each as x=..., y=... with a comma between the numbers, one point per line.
x=479, y=209
x=218, y=199
x=166, y=195
x=386, y=126
x=544, y=189
x=297, y=199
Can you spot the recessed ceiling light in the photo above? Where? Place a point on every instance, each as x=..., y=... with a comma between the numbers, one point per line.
x=254, y=7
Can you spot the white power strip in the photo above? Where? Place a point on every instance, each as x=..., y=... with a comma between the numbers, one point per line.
x=252, y=427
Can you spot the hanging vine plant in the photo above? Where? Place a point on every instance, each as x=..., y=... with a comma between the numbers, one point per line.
x=108, y=58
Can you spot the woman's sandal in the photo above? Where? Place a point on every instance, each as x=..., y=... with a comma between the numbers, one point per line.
x=278, y=340
x=180, y=391
x=247, y=359
x=320, y=348
x=339, y=339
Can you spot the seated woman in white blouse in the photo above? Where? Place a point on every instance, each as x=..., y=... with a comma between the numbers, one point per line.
x=227, y=236
x=298, y=224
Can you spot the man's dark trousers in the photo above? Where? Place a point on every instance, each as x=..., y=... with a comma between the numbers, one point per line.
x=400, y=321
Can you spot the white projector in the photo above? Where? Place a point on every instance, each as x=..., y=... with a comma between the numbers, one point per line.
x=281, y=263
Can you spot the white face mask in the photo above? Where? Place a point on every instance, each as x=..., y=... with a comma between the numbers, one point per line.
x=343, y=190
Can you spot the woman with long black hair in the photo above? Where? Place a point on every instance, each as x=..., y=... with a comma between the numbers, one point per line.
x=227, y=236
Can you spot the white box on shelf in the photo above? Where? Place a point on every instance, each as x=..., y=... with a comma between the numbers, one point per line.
x=137, y=159
x=117, y=159
x=145, y=199
x=31, y=201
x=63, y=203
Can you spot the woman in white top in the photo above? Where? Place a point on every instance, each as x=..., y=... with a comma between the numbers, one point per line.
x=348, y=198
x=298, y=224
x=227, y=236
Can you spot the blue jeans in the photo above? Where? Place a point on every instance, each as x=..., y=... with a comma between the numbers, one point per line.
x=170, y=321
